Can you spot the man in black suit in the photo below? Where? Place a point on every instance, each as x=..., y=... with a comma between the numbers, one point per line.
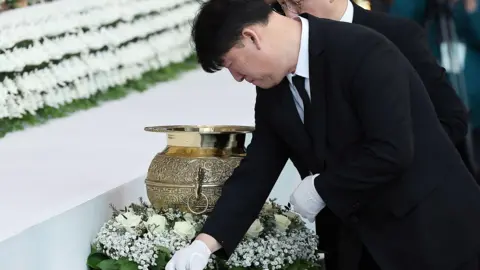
x=410, y=40
x=352, y=114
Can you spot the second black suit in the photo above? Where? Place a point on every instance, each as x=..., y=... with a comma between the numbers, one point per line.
x=388, y=170
x=410, y=39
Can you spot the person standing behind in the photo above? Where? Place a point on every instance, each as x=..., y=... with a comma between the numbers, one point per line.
x=375, y=5
x=410, y=38
x=389, y=171
x=466, y=17
x=411, y=41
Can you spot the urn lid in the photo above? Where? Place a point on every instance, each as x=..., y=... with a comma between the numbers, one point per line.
x=202, y=129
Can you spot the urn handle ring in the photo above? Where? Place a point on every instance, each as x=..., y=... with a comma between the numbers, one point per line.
x=198, y=212
x=198, y=191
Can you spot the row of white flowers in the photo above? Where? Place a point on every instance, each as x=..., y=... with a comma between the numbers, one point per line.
x=64, y=16
x=55, y=48
x=15, y=106
x=63, y=80
x=68, y=70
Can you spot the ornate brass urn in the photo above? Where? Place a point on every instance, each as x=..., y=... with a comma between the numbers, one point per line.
x=189, y=173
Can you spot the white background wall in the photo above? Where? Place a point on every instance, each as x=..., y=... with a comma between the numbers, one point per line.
x=57, y=180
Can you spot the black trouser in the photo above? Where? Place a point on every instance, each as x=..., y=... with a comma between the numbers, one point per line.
x=331, y=261
x=366, y=261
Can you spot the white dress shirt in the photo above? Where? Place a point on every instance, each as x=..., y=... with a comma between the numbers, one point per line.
x=302, y=69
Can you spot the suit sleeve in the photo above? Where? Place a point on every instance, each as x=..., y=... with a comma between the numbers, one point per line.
x=380, y=92
x=247, y=190
x=450, y=109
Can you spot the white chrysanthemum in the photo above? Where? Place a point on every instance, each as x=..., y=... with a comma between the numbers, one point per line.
x=273, y=249
x=82, y=76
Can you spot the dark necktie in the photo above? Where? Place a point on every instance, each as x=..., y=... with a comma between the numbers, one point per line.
x=312, y=131
x=299, y=83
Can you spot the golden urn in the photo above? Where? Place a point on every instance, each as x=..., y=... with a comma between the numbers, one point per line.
x=190, y=172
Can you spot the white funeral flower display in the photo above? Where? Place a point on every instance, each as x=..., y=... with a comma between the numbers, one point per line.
x=141, y=237
x=54, y=63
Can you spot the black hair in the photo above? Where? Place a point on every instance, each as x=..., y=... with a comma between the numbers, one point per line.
x=218, y=27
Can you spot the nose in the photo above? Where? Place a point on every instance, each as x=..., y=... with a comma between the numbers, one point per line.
x=237, y=76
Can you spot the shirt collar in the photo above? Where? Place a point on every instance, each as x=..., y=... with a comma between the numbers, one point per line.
x=348, y=15
x=302, y=69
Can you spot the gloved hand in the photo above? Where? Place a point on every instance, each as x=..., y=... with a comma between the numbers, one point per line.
x=193, y=257
x=305, y=199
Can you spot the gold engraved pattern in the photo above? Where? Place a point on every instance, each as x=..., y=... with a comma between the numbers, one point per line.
x=190, y=177
x=171, y=181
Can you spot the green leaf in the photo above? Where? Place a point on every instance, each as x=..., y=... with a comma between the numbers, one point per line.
x=161, y=261
x=303, y=265
x=93, y=249
x=94, y=259
x=164, y=250
x=125, y=264
x=163, y=258
x=109, y=264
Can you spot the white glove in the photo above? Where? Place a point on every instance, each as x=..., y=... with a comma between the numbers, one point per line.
x=305, y=199
x=193, y=257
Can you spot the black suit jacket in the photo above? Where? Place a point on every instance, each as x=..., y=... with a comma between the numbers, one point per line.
x=380, y=5
x=410, y=39
x=386, y=165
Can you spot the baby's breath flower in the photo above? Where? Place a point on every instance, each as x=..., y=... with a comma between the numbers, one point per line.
x=274, y=248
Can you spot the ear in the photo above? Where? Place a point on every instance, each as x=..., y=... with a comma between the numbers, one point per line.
x=251, y=36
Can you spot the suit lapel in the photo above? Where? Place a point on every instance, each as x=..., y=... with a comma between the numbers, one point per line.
x=317, y=90
x=313, y=142
x=296, y=134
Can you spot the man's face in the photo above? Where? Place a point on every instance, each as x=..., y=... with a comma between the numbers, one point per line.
x=255, y=60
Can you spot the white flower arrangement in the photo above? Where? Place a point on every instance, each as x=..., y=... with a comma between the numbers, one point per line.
x=80, y=41
x=141, y=237
x=40, y=21
x=89, y=47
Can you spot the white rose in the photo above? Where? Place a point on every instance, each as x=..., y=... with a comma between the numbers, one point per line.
x=268, y=206
x=128, y=220
x=282, y=222
x=189, y=217
x=292, y=215
x=157, y=223
x=184, y=229
x=255, y=229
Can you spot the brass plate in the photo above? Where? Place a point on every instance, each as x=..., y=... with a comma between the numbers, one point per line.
x=202, y=129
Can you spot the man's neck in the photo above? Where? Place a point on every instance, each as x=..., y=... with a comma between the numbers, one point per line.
x=291, y=30
x=296, y=48
x=339, y=9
